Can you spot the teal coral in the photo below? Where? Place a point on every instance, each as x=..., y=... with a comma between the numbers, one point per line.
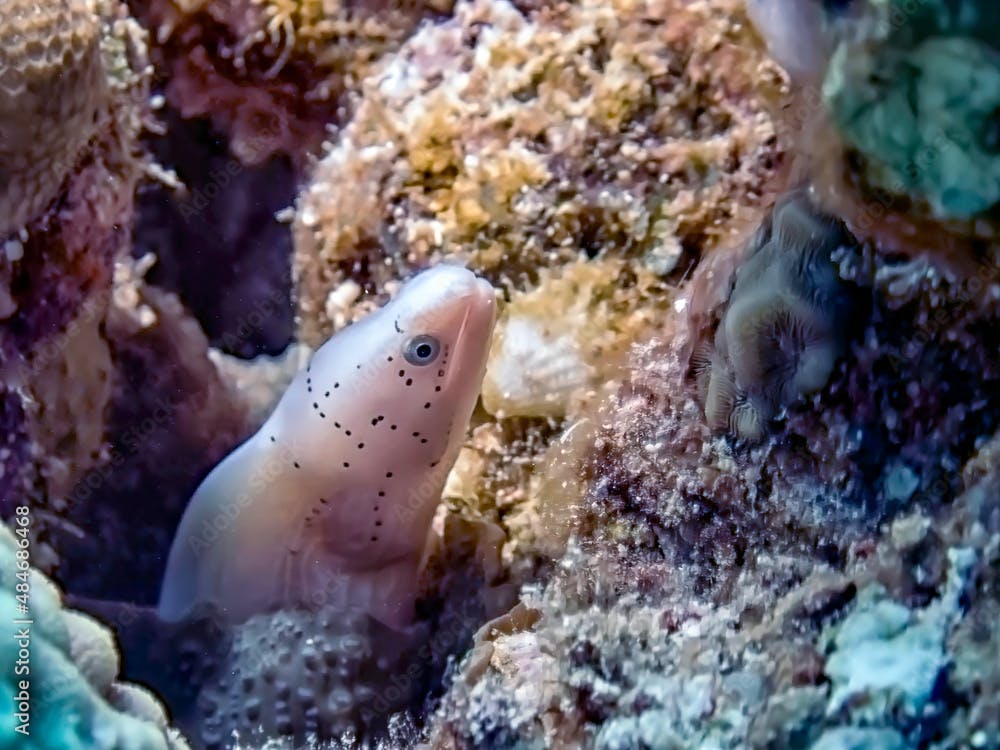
x=853, y=738
x=920, y=100
x=72, y=665
x=885, y=657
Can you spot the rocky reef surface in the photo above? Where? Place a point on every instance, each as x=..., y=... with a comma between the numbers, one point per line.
x=734, y=477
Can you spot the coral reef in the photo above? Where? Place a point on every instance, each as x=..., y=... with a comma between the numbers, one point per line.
x=52, y=93
x=58, y=263
x=751, y=596
x=733, y=477
x=519, y=141
x=69, y=691
x=273, y=74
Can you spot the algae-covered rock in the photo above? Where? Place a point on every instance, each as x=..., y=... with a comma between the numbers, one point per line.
x=517, y=140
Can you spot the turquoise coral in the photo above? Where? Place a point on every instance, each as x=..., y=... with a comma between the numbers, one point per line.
x=920, y=100
x=72, y=665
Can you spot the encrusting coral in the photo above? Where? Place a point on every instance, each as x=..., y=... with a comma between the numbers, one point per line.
x=297, y=674
x=70, y=690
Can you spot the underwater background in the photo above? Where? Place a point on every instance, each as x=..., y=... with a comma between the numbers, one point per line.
x=731, y=477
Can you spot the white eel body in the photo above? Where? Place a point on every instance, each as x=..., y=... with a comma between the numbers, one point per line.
x=331, y=500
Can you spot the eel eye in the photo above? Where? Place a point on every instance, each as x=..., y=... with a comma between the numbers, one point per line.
x=421, y=350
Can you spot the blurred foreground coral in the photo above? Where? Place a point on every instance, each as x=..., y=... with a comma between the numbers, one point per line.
x=73, y=699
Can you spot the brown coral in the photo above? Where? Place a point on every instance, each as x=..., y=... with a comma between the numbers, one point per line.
x=52, y=91
x=60, y=265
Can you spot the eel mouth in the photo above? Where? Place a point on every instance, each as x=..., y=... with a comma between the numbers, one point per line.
x=475, y=333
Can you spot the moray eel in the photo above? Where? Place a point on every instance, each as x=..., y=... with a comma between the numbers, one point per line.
x=331, y=500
